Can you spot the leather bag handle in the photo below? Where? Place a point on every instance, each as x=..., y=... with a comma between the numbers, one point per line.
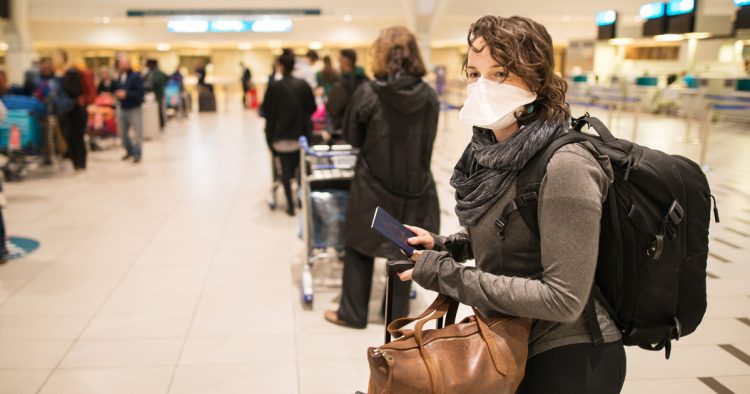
x=395, y=327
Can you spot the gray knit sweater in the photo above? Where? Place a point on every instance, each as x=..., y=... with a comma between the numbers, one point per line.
x=548, y=281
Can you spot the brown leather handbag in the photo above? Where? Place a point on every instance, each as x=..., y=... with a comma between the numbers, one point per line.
x=477, y=355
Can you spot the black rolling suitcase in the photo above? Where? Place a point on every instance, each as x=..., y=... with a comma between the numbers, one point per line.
x=206, y=100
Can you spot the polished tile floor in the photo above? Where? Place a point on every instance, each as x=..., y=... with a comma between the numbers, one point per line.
x=174, y=276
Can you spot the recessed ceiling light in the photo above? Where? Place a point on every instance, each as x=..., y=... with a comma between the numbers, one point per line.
x=347, y=18
x=163, y=47
x=315, y=45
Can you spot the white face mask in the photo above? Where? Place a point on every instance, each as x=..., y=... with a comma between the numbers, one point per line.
x=493, y=105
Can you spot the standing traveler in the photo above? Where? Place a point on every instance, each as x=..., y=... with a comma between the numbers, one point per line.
x=73, y=117
x=393, y=120
x=352, y=76
x=304, y=68
x=106, y=83
x=326, y=77
x=247, y=82
x=287, y=107
x=516, y=104
x=130, y=92
x=156, y=81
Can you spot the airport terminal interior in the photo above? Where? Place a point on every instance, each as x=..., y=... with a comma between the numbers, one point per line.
x=185, y=271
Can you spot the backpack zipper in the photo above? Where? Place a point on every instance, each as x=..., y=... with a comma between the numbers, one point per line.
x=634, y=160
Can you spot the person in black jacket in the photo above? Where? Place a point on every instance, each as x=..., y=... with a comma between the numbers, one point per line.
x=73, y=122
x=393, y=120
x=340, y=95
x=287, y=106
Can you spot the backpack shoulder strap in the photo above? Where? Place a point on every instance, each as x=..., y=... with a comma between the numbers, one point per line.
x=530, y=180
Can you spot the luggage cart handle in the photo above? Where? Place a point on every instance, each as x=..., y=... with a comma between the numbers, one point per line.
x=305, y=145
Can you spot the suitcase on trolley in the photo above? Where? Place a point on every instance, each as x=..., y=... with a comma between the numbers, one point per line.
x=206, y=100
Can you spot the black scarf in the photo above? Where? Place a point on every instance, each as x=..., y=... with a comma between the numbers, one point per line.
x=488, y=168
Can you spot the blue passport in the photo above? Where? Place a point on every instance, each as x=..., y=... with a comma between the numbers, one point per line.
x=391, y=229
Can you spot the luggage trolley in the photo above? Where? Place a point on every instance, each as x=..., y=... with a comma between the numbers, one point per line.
x=325, y=175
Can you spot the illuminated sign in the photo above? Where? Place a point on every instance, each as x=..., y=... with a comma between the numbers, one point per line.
x=271, y=26
x=741, y=3
x=229, y=26
x=680, y=7
x=187, y=26
x=607, y=17
x=652, y=10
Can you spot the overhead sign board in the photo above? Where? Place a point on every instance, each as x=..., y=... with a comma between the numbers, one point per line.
x=607, y=17
x=680, y=7
x=226, y=12
x=229, y=26
x=652, y=10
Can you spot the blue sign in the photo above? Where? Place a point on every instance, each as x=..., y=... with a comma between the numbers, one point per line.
x=680, y=7
x=229, y=26
x=607, y=17
x=652, y=10
x=741, y=3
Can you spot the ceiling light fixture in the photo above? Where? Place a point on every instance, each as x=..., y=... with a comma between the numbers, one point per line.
x=668, y=37
x=698, y=35
x=620, y=41
x=106, y=20
x=315, y=45
x=4, y=46
x=347, y=18
x=163, y=47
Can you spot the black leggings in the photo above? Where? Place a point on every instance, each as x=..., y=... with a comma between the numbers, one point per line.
x=73, y=126
x=580, y=368
x=289, y=166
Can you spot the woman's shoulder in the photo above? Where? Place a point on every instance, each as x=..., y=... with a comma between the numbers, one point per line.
x=578, y=163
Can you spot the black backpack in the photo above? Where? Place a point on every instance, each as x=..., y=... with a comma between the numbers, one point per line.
x=651, y=270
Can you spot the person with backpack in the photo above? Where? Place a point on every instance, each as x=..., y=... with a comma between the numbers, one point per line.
x=516, y=104
x=393, y=121
x=287, y=106
x=156, y=82
x=74, y=94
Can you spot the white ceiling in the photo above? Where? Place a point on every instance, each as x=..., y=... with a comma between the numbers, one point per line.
x=70, y=22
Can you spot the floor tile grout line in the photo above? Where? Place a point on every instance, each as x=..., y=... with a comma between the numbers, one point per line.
x=107, y=297
x=205, y=283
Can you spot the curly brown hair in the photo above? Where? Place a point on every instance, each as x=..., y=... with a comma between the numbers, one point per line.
x=524, y=48
x=396, y=52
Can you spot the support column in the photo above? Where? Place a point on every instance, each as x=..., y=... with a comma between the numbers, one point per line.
x=20, y=52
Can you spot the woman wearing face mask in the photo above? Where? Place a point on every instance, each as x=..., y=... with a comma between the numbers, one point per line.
x=517, y=106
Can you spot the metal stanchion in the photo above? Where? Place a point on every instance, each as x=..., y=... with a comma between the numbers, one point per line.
x=636, y=114
x=704, y=133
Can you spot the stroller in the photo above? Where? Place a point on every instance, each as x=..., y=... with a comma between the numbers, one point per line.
x=22, y=135
x=102, y=120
